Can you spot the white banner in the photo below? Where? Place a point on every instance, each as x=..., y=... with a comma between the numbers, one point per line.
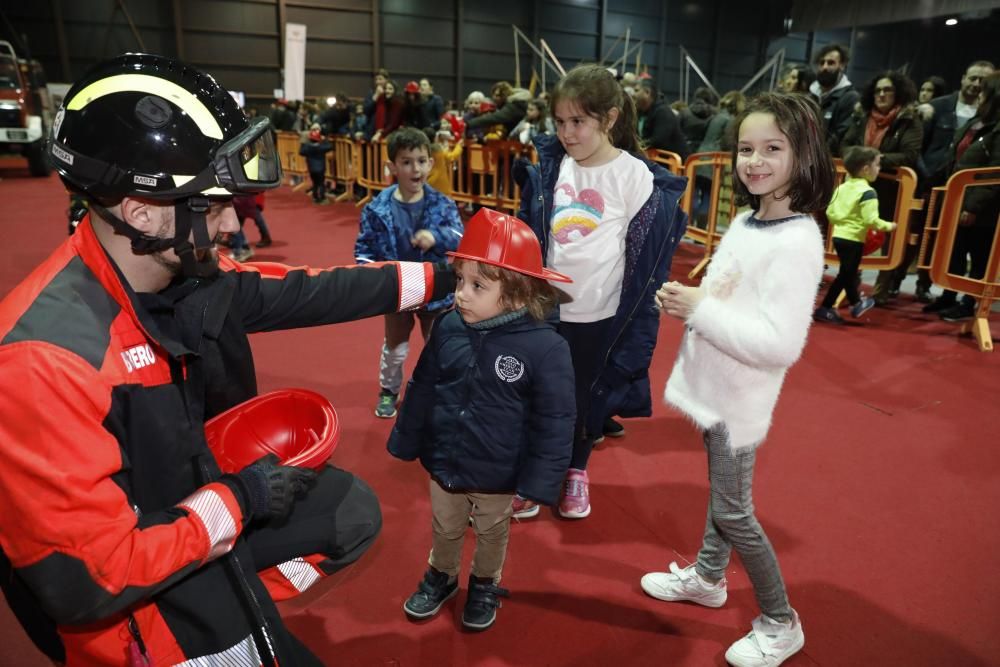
x=295, y=61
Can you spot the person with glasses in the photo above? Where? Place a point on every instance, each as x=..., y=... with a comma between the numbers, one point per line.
x=888, y=122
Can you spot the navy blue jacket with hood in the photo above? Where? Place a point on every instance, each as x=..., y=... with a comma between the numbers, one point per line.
x=622, y=385
x=492, y=410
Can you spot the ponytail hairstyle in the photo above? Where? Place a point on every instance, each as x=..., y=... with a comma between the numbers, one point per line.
x=797, y=116
x=596, y=91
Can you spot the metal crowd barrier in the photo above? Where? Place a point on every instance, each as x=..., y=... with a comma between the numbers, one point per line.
x=668, y=159
x=706, y=231
x=940, y=234
x=293, y=164
x=345, y=158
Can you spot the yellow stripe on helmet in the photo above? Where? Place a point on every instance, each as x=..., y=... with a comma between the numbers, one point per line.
x=152, y=85
x=217, y=191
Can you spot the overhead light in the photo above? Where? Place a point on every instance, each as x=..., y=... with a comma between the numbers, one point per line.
x=330, y=101
x=951, y=22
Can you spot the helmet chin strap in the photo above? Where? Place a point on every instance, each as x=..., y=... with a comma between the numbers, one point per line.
x=189, y=216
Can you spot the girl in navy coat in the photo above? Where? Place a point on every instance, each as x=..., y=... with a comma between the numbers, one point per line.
x=609, y=219
x=490, y=411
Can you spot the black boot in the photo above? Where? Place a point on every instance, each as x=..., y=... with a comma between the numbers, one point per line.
x=481, y=606
x=264, y=242
x=432, y=592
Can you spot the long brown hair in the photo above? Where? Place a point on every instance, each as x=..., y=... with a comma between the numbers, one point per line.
x=596, y=92
x=797, y=116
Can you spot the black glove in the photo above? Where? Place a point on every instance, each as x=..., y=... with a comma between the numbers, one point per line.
x=271, y=488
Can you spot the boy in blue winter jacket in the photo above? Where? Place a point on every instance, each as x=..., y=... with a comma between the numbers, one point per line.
x=490, y=411
x=409, y=221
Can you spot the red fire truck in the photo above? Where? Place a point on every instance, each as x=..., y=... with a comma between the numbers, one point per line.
x=25, y=109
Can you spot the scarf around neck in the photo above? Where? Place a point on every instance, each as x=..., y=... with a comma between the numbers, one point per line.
x=878, y=125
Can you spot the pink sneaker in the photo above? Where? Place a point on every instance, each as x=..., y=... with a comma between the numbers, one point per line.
x=524, y=508
x=575, y=503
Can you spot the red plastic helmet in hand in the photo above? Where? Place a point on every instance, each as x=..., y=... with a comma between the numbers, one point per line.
x=315, y=135
x=873, y=241
x=503, y=240
x=298, y=425
x=457, y=125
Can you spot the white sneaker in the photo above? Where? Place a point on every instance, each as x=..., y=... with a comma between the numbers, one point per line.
x=768, y=644
x=685, y=584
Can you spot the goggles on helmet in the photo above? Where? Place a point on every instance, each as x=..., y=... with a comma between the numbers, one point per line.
x=248, y=163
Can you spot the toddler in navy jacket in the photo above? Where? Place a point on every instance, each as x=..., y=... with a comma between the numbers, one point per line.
x=490, y=411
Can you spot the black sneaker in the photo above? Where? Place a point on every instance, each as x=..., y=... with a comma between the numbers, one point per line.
x=924, y=295
x=432, y=592
x=386, y=406
x=824, y=314
x=612, y=429
x=937, y=305
x=264, y=242
x=481, y=606
x=958, y=312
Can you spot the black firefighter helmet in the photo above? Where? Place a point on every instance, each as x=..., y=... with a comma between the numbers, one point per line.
x=147, y=126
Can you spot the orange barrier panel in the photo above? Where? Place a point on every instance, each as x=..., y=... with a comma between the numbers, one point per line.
x=706, y=233
x=374, y=175
x=906, y=203
x=668, y=159
x=293, y=164
x=483, y=174
x=985, y=289
x=346, y=155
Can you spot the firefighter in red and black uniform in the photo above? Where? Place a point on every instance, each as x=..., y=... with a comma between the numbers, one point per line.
x=122, y=541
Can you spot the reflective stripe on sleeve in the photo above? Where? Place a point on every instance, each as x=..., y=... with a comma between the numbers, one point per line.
x=414, y=285
x=220, y=524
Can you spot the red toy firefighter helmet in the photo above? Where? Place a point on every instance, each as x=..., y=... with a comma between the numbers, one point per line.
x=298, y=425
x=315, y=135
x=503, y=240
x=412, y=87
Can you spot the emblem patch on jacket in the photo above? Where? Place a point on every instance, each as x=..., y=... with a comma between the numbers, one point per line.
x=508, y=368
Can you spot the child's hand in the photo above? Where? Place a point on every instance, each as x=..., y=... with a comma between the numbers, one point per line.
x=892, y=226
x=423, y=239
x=678, y=300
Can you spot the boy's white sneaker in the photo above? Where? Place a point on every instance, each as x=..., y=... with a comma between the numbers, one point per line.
x=685, y=584
x=768, y=644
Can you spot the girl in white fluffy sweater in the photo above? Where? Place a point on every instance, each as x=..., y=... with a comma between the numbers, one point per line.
x=746, y=324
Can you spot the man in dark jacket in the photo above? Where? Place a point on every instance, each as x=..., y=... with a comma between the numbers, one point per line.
x=942, y=118
x=119, y=347
x=944, y=115
x=834, y=92
x=658, y=125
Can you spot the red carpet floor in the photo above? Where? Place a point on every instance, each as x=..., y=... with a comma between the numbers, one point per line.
x=875, y=486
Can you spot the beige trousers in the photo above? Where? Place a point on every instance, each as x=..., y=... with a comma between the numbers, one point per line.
x=491, y=514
